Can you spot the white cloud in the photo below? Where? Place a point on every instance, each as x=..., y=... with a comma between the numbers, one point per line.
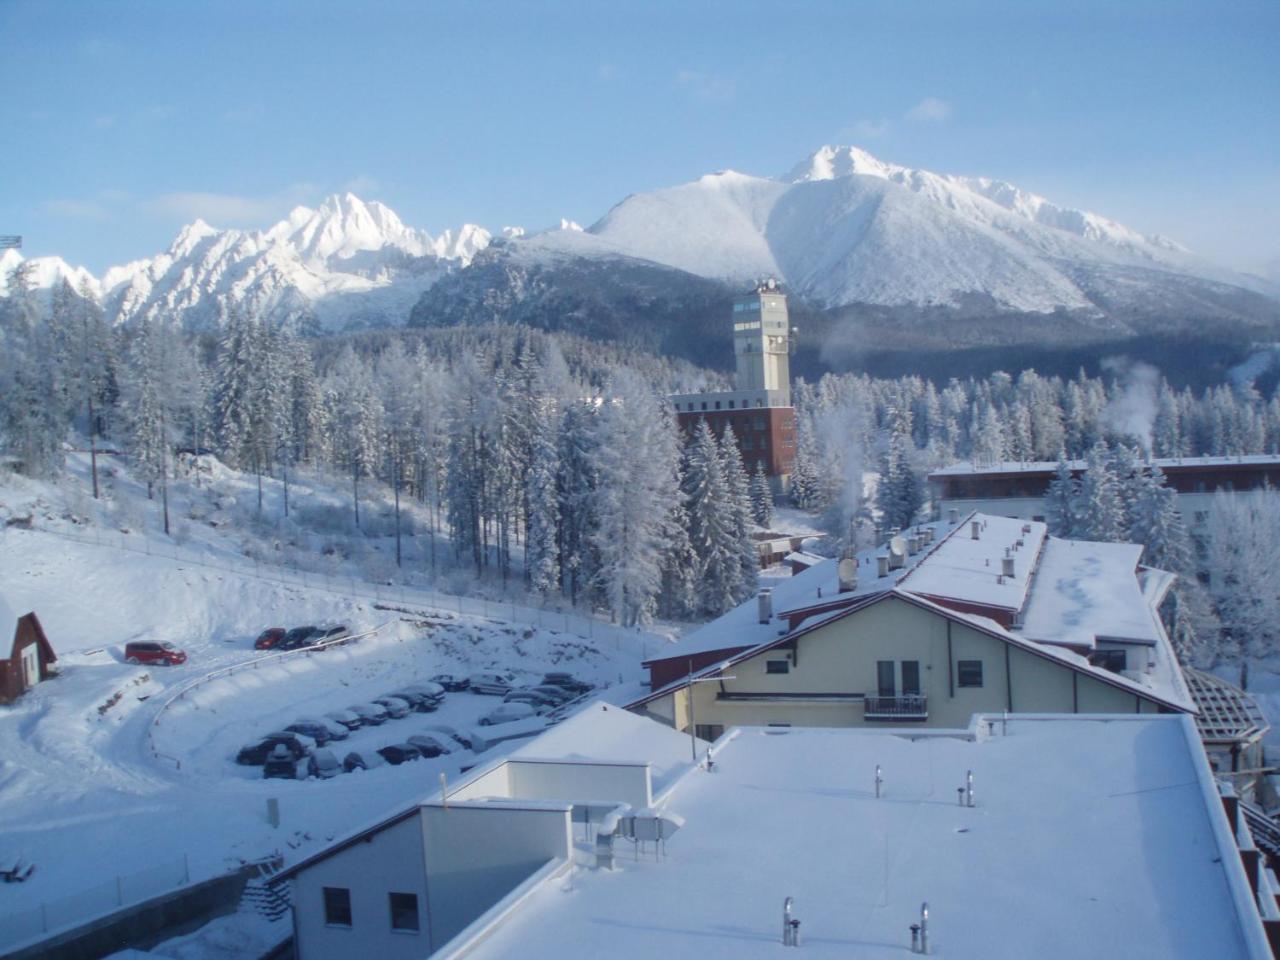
x=870, y=129
x=362, y=186
x=705, y=86
x=229, y=209
x=929, y=110
x=75, y=209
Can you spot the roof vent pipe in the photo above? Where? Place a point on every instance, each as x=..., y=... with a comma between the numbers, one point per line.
x=920, y=931
x=882, y=565
x=953, y=516
x=1007, y=564
x=975, y=529
x=790, y=924
x=765, y=603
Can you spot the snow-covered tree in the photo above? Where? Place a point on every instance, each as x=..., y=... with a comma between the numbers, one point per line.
x=761, y=498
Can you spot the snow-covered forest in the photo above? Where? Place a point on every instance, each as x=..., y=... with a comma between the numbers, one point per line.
x=553, y=464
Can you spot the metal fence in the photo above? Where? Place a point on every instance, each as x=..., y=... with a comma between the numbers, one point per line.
x=638, y=642
x=51, y=916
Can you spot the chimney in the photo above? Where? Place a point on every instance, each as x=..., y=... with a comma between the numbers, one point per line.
x=953, y=516
x=975, y=529
x=1008, y=567
x=882, y=565
x=765, y=601
x=847, y=573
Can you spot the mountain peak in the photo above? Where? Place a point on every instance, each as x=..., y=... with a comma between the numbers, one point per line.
x=833, y=162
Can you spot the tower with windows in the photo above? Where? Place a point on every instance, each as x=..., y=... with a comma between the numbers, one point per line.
x=762, y=340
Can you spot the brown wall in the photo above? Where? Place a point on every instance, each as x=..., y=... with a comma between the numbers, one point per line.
x=765, y=435
x=1184, y=478
x=662, y=672
x=28, y=633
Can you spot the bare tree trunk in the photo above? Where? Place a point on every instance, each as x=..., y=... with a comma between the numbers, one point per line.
x=397, y=485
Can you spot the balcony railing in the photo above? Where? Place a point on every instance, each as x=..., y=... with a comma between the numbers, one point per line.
x=909, y=707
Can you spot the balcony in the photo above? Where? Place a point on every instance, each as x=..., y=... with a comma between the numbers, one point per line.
x=910, y=707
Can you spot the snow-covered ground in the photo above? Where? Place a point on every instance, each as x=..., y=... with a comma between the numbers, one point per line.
x=83, y=794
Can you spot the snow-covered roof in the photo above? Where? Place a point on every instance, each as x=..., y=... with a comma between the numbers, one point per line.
x=1089, y=837
x=1087, y=591
x=741, y=626
x=970, y=570
x=966, y=469
x=800, y=556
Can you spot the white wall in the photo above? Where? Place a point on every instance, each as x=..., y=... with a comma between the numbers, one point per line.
x=391, y=860
x=579, y=782
x=478, y=853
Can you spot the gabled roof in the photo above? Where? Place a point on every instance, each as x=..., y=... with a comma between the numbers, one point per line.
x=9, y=623
x=1181, y=700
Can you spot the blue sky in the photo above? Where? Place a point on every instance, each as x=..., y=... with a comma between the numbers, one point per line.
x=125, y=120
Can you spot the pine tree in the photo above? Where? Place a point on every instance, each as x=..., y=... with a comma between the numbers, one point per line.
x=542, y=550
x=761, y=498
x=1060, y=502
x=711, y=525
x=740, y=508
x=1100, y=512
x=1157, y=524
x=899, y=494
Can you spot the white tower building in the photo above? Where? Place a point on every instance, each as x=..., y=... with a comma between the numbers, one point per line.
x=762, y=341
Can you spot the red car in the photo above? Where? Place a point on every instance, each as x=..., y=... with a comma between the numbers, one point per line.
x=165, y=653
x=269, y=638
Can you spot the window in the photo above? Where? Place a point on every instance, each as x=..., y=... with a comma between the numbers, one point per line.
x=704, y=404
x=780, y=724
x=731, y=404
x=717, y=404
x=404, y=912
x=911, y=678
x=708, y=731
x=337, y=907
x=1113, y=660
x=759, y=423
x=777, y=666
x=969, y=673
x=1038, y=519
x=884, y=678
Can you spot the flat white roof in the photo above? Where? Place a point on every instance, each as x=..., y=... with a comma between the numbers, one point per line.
x=1085, y=591
x=1090, y=837
x=971, y=570
x=965, y=469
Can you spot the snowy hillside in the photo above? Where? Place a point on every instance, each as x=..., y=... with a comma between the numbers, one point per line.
x=344, y=264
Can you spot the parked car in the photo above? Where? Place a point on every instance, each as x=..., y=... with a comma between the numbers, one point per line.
x=395, y=707
x=538, y=701
x=295, y=638
x=331, y=633
x=347, y=718
x=297, y=744
x=280, y=765
x=318, y=729
x=506, y=712
x=269, y=638
x=430, y=745
x=373, y=714
x=363, y=760
x=145, y=652
x=557, y=695
x=568, y=681
x=448, y=733
x=451, y=683
x=489, y=683
x=423, y=697
x=323, y=765
x=399, y=753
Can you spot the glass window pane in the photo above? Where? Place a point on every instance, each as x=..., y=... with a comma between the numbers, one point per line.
x=337, y=906
x=404, y=911
x=884, y=676
x=911, y=678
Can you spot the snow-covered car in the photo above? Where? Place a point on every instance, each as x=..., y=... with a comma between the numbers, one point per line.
x=539, y=702
x=324, y=634
x=554, y=693
x=297, y=744
x=449, y=733
x=423, y=697
x=145, y=652
x=492, y=683
x=362, y=760
x=430, y=744
x=373, y=714
x=450, y=682
x=506, y=712
x=324, y=765
x=398, y=753
x=567, y=681
x=348, y=718
x=269, y=638
x=319, y=729
x=395, y=707
x=280, y=765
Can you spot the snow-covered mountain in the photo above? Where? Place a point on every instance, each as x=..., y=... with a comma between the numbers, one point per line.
x=346, y=263
x=843, y=230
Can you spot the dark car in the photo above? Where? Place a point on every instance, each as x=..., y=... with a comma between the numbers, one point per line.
x=318, y=730
x=362, y=760
x=399, y=753
x=256, y=753
x=371, y=714
x=269, y=638
x=395, y=707
x=418, y=701
x=323, y=765
x=557, y=694
x=280, y=765
x=430, y=745
x=295, y=638
x=451, y=683
x=568, y=681
x=144, y=652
